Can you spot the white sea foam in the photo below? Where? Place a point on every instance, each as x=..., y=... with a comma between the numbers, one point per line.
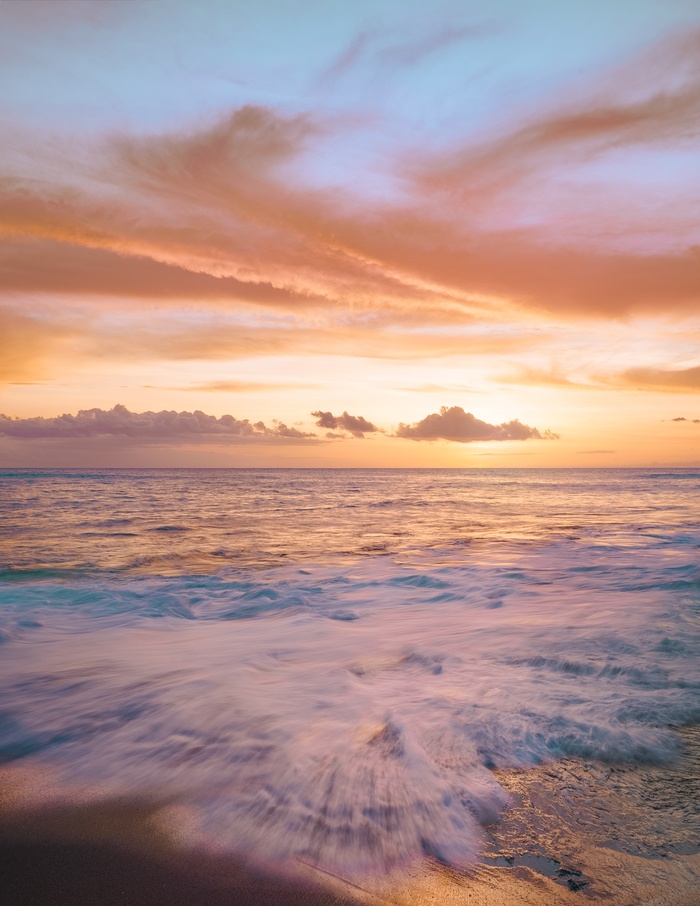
x=353, y=714
x=336, y=682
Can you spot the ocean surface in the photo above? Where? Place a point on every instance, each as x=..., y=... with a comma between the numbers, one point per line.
x=336, y=665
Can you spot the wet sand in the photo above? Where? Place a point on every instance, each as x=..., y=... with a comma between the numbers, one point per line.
x=73, y=874
x=575, y=833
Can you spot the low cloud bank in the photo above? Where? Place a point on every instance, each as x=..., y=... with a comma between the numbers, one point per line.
x=355, y=424
x=166, y=424
x=453, y=423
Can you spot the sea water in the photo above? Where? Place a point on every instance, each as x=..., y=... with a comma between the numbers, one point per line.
x=335, y=665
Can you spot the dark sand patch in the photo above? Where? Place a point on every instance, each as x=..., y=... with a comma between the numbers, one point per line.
x=77, y=874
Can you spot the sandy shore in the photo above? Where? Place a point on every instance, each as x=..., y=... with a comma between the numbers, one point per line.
x=63, y=872
x=575, y=833
x=77, y=874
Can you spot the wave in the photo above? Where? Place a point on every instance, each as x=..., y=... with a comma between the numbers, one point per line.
x=344, y=685
x=308, y=712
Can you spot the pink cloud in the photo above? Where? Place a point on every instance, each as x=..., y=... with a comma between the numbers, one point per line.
x=216, y=218
x=453, y=423
x=144, y=426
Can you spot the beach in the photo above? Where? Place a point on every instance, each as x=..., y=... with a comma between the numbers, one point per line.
x=350, y=687
x=349, y=453
x=633, y=843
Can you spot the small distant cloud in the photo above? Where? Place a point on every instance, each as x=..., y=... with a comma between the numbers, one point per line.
x=694, y=421
x=453, y=423
x=354, y=424
x=144, y=426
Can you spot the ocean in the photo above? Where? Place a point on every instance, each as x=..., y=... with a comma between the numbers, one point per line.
x=352, y=668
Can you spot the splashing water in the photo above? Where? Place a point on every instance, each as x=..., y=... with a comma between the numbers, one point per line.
x=308, y=697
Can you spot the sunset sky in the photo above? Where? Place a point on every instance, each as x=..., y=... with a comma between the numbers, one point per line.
x=320, y=233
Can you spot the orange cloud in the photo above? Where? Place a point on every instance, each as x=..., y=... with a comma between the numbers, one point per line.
x=687, y=379
x=37, y=265
x=586, y=128
x=31, y=346
x=542, y=377
x=223, y=340
x=215, y=217
x=653, y=99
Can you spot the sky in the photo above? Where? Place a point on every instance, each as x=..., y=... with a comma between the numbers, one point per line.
x=380, y=234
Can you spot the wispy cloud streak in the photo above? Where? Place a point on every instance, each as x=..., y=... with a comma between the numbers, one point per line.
x=218, y=211
x=687, y=379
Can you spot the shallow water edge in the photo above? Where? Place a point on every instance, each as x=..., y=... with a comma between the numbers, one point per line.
x=574, y=832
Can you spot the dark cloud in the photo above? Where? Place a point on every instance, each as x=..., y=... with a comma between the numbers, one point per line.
x=164, y=425
x=694, y=421
x=355, y=424
x=453, y=423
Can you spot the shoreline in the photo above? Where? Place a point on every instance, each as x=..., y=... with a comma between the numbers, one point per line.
x=80, y=873
x=628, y=836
